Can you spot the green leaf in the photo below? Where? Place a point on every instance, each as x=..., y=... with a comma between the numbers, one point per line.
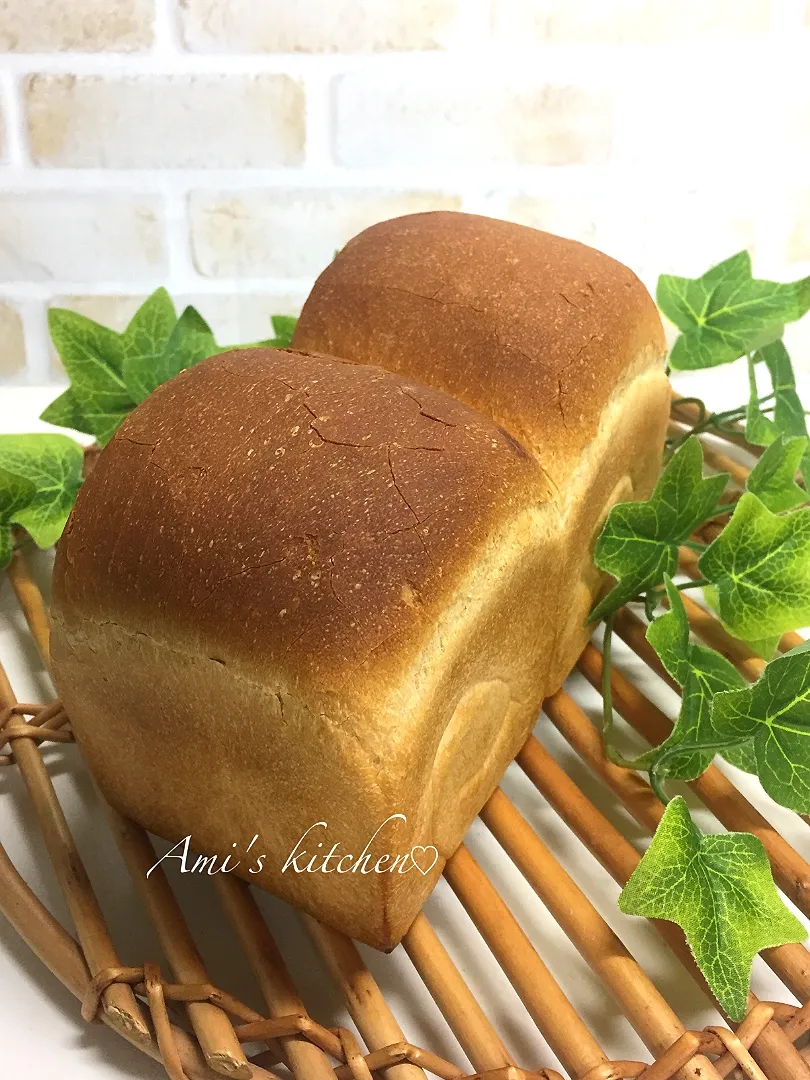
x=144, y=342
x=742, y=755
x=189, y=341
x=192, y=340
x=764, y=647
x=774, y=714
x=720, y=891
x=6, y=545
x=93, y=358
x=639, y=542
x=65, y=411
x=52, y=464
x=773, y=478
x=283, y=329
x=759, y=428
x=701, y=672
x=111, y=373
x=760, y=564
x=84, y=346
x=788, y=416
x=685, y=301
x=15, y=494
x=726, y=313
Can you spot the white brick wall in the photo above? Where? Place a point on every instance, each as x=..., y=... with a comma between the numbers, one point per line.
x=336, y=26
x=12, y=348
x=165, y=121
x=30, y=26
x=645, y=21
x=87, y=236
x=225, y=148
x=289, y=234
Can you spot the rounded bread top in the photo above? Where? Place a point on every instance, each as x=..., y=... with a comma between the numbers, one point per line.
x=533, y=330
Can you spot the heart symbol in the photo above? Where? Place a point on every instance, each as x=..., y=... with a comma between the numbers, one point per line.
x=418, y=847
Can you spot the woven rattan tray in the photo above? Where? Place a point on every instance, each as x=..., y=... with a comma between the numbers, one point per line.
x=200, y=1031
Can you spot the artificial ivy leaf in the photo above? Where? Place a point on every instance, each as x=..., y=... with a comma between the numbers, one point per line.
x=93, y=357
x=760, y=565
x=788, y=414
x=65, y=411
x=726, y=313
x=639, y=542
x=6, y=545
x=189, y=341
x=788, y=417
x=774, y=714
x=144, y=342
x=720, y=891
x=192, y=340
x=701, y=673
x=84, y=346
x=52, y=464
x=682, y=300
x=107, y=423
x=283, y=330
x=15, y=494
x=743, y=756
x=765, y=647
x=773, y=478
x=759, y=428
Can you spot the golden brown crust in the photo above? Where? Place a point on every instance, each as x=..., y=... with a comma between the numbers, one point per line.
x=531, y=329
x=289, y=509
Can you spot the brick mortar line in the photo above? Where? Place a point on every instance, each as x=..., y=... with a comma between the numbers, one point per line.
x=605, y=179
x=165, y=26
x=788, y=16
x=177, y=234
x=230, y=286
x=168, y=56
x=319, y=123
x=15, y=130
x=36, y=342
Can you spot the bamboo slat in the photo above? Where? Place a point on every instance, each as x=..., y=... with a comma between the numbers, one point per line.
x=545, y=1002
x=270, y=972
x=472, y=1028
x=31, y=603
x=364, y=999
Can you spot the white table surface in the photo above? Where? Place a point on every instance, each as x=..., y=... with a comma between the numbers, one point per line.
x=42, y=1034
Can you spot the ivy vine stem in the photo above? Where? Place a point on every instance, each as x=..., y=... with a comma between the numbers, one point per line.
x=718, y=421
x=697, y=583
x=656, y=769
x=611, y=752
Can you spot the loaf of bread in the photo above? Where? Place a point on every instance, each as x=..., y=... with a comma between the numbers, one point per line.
x=556, y=342
x=306, y=608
